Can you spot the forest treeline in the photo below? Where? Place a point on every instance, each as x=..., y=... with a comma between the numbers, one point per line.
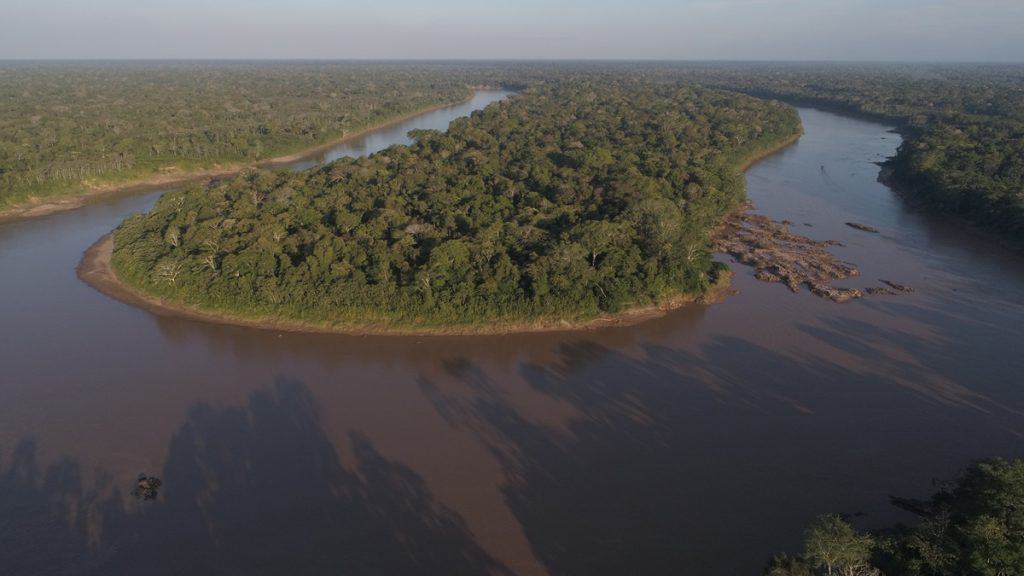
x=963, y=124
x=64, y=125
x=971, y=526
x=580, y=196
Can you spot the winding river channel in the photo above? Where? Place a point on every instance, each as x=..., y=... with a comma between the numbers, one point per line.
x=697, y=443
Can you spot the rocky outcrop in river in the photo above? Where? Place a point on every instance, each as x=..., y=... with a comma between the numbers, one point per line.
x=779, y=255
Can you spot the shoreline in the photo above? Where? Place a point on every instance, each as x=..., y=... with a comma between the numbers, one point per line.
x=96, y=270
x=753, y=159
x=42, y=206
x=908, y=193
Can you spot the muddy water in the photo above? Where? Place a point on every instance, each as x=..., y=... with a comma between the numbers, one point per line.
x=697, y=443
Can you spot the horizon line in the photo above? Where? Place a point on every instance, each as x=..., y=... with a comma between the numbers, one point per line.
x=507, y=60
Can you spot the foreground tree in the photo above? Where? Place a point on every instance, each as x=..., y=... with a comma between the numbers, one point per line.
x=834, y=547
x=973, y=526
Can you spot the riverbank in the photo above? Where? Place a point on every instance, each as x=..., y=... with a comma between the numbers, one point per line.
x=751, y=159
x=914, y=194
x=910, y=194
x=97, y=271
x=44, y=205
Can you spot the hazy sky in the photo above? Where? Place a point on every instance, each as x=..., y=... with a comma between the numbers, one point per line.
x=655, y=29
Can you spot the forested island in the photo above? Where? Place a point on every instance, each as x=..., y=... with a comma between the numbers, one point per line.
x=577, y=198
x=73, y=128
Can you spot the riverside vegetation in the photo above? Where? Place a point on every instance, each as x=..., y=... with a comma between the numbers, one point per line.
x=70, y=127
x=963, y=125
x=973, y=526
x=574, y=199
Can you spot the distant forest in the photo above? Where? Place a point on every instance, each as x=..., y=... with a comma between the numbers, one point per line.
x=65, y=127
x=580, y=196
x=963, y=125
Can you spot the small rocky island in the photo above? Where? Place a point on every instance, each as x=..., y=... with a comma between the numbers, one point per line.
x=777, y=254
x=780, y=255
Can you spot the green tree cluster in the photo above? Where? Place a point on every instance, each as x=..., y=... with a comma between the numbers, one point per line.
x=963, y=124
x=972, y=527
x=64, y=126
x=579, y=197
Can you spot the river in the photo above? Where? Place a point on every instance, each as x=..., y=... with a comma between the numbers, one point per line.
x=696, y=443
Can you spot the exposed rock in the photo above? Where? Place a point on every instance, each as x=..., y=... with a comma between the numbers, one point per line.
x=863, y=227
x=890, y=289
x=779, y=255
x=836, y=294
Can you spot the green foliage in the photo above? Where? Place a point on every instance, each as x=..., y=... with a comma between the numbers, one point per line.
x=65, y=126
x=964, y=125
x=786, y=565
x=581, y=196
x=972, y=527
x=832, y=546
x=970, y=167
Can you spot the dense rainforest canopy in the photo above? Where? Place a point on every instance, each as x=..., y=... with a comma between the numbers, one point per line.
x=66, y=126
x=577, y=197
x=964, y=125
x=63, y=126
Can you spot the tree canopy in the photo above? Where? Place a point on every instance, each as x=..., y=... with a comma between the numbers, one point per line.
x=578, y=197
x=973, y=526
x=963, y=125
x=65, y=126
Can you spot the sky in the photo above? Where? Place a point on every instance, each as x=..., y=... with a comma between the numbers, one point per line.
x=901, y=30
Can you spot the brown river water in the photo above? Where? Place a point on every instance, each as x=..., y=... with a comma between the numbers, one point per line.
x=697, y=443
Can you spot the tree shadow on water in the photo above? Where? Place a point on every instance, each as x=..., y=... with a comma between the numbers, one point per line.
x=257, y=489
x=701, y=462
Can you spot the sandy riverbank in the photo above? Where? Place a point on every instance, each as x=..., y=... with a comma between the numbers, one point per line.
x=96, y=270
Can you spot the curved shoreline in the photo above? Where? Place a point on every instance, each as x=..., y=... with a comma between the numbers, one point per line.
x=42, y=206
x=95, y=269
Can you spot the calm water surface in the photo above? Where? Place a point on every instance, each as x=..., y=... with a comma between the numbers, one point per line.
x=698, y=443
